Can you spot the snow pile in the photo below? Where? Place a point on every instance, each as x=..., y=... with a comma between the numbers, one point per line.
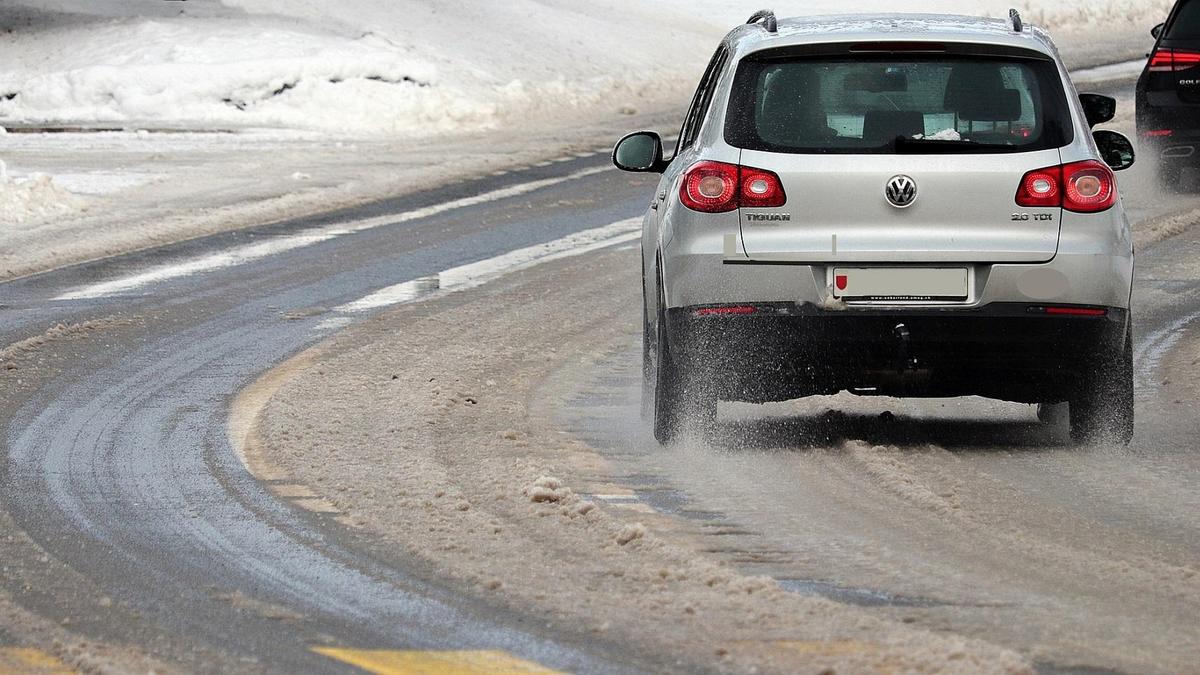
x=547, y=489
x=943, y=135
x=33, y=199
x=401, y=68
x=215, y=72
x=1100, y=16
x=1096, y=16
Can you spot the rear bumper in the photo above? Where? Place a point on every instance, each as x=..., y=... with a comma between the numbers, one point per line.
x=1182, y=145
x=1093, y=265
x=1182, y=149
x=1011, y=351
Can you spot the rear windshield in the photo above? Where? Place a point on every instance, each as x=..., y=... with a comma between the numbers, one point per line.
x=1187, y=21
x=897, y=104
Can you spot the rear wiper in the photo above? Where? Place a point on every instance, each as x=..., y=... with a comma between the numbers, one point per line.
x=907, y=144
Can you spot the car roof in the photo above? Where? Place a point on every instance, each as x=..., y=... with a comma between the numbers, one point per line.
x=809, y=30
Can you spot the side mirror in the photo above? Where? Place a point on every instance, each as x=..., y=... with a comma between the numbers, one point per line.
x=1116, y=149
x=1157, y=30
x=640, y=152
x=1098, y=108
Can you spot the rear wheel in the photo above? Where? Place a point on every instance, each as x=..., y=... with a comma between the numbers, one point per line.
x=1052, y=413
x=683, y=404
x=1102, y=411
x=647, y=373
x=649, y=347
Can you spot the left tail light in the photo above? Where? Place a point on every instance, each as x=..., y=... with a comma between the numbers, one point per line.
x=717, y=187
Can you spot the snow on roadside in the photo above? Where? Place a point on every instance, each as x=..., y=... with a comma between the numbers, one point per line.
x=1055, y=15
x=215, y=73
x=33, y=199
x=403, y=68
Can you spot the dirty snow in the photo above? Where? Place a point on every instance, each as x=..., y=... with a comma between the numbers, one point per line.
x=530, y=540
x=33, y=198
x=943, y=135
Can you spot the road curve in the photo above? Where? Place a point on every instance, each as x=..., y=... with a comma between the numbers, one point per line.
x=118, y=466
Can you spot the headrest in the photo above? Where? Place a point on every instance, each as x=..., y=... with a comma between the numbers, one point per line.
x=976, y=91
x=787, y=88
x=791, y=110
x=883, y=126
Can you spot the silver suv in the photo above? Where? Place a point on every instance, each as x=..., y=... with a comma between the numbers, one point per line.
x=901, y=205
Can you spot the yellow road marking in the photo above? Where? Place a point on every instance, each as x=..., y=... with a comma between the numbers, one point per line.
x=27, y=661
x=393, y=662
x=830, y=648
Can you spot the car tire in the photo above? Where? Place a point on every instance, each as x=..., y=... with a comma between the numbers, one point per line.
x=1052, y=414
x=1102, y=410
x=648, y=369
x=682, y=403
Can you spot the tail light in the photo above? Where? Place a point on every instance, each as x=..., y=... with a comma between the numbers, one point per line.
x=717, y=187
x=1173, y=60
x=1075, y=311
x=760, y=189
x=710, y=187
x=1082, y=187
x=1090, y=187
x=1041, y=188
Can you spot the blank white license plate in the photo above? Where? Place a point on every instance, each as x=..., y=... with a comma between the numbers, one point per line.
x=901, y=284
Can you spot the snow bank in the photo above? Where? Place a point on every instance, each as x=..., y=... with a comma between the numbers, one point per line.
x=398, y=68
x=33, y=199
x=216, y=72
x=1056, y=15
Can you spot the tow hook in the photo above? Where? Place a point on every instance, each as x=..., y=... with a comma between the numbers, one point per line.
x=903, y=338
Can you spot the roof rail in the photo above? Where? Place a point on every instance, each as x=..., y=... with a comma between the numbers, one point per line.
x=767, y=17
x=1014, y=17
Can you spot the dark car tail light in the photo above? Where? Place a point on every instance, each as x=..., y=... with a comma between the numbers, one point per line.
x=1082, y=187
x=1173, y=60
x=717, y=187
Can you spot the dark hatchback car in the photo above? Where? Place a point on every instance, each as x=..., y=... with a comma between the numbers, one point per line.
x=1168, y=94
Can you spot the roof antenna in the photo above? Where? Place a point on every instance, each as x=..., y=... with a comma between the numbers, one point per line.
x=1015, y=17
x=767, y=17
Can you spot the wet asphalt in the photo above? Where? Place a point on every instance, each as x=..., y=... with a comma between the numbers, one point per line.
x=117, y=463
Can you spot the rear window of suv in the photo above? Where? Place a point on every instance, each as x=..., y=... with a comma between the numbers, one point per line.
x=897, y=103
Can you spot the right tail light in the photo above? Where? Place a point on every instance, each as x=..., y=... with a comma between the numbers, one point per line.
x=1082, y=187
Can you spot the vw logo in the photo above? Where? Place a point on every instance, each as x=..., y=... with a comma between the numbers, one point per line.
x=901, y=191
